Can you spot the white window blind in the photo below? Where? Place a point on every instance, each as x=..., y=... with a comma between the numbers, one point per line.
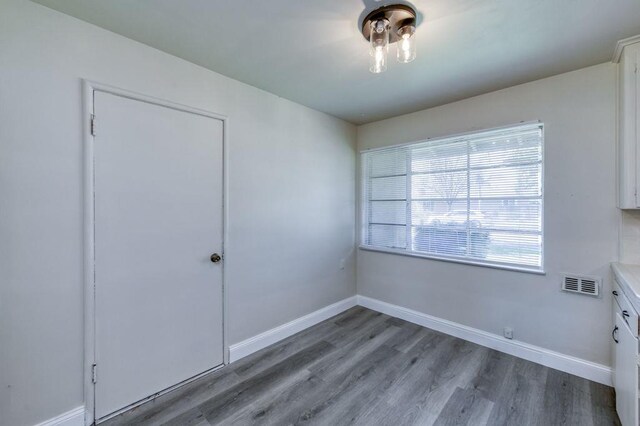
x=475, y=198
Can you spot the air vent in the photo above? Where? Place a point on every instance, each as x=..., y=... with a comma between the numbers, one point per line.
x=580, y=284
x=571, y=284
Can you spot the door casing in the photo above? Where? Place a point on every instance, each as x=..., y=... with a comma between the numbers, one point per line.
x=89, y=88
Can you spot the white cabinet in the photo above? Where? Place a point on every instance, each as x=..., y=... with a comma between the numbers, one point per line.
x=625, y=357
x=626, y=373
x=629, y=124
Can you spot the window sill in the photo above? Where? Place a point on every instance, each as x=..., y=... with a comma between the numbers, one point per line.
x=454, y=260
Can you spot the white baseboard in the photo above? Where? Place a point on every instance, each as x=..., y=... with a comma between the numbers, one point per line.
x=73, y=417
x=269, y=337
x=569, y=364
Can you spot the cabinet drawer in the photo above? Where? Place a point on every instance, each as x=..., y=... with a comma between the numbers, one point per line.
x=627, y=312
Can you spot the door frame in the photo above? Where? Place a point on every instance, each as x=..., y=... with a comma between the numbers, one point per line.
x=89, y=88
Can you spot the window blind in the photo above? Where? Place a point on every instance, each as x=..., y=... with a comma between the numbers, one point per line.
x=476, y=197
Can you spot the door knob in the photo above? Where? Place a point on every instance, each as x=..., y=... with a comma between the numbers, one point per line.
x=215, y=258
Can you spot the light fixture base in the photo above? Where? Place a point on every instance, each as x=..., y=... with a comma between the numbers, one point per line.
x=398, y=15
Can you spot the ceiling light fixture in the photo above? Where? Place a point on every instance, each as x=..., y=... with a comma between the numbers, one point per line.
x=387, y=25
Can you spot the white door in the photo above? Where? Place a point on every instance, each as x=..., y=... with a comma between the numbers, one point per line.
x=626, y=373
x=158, y=220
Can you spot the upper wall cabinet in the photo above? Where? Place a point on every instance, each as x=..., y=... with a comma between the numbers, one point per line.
x=628, y=56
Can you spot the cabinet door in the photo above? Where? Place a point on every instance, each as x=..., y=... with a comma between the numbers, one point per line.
x=626, y=373
x=628, y=157
x=635, y=56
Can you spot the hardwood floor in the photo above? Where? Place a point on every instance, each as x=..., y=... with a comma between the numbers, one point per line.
x=366, y=368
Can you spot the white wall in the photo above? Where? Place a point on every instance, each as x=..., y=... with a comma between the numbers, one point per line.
x=630, y=237
x=581, y=219
x=291, y=198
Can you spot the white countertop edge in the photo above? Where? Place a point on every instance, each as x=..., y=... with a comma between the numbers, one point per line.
x=628, y=276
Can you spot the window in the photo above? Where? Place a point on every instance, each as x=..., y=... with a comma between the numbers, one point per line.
x=475, y=198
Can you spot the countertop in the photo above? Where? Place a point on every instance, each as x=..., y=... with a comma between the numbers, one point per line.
x=628, y=276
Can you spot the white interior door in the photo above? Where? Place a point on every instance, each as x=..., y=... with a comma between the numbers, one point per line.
x=158, y=220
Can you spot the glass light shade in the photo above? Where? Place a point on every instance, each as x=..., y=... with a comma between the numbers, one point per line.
x=379, y=46
x=407, y=44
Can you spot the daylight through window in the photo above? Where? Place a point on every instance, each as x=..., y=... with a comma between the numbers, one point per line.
x=476, y=198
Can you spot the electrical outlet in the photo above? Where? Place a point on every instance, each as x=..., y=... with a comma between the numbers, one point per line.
x=508, y=332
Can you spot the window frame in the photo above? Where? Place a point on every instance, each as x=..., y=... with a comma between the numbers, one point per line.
x=364, y=207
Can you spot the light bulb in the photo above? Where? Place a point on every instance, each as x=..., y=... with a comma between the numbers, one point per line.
x=407, y=44
x=379, y=46
x=378, y=60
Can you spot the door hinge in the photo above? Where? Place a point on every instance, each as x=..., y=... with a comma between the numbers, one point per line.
x=93, y=125
x=94, y=374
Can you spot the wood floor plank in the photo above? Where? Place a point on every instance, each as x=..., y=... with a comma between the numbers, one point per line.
x=356, y=314
x=567, y=400
x=346, y=332
x=245, y=392
x=603, y=405
x=269, y=356
x=271, y=409
x=341, y=361
x=521, y=397
x=396, y=367
x=418, y=395
x=252, y=411
x=496, y=368
x=366, y=368
x=336, y=331
x=409, y=335
x=172, y=404
x=340, y=399
x=463, y=364
x=193, y=417
x=465, y=407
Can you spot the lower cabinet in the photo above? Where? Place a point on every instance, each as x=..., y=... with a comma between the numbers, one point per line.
x=625, y=358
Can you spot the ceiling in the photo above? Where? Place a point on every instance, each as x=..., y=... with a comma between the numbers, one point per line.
x=311, y=51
